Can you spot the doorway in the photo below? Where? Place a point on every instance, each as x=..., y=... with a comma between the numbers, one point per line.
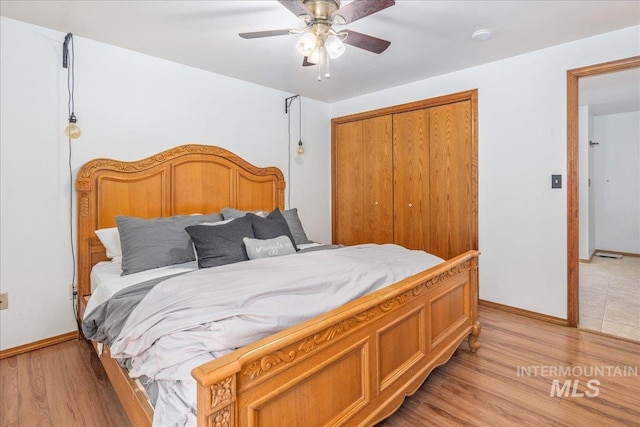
x=573, y=225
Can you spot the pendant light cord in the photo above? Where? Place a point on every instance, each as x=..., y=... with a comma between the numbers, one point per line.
x=287, y=110
x=71, y=76
x=70, y=73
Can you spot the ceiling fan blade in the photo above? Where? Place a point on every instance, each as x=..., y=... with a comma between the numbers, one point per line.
x=359, y=9
x=306, y=63
x=298, y=8
x=258, y=34
x=366, y=42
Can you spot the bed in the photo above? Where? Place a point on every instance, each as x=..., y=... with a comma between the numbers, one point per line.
x=351, y=365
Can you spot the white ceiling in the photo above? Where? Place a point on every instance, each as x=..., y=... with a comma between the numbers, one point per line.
x=428, y=38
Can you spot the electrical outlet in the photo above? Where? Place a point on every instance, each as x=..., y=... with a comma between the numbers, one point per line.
x=4, y=301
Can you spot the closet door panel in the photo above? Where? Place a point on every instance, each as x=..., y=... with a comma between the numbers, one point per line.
x=411, y=179
x=348, y=212
x=451, y=186
x=377, y=146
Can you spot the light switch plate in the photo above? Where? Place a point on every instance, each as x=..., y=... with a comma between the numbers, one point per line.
x=556, y=181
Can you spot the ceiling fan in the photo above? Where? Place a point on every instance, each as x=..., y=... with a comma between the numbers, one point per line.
x=320, y=42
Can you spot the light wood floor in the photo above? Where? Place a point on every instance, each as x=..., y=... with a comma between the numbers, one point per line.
x=64, y=385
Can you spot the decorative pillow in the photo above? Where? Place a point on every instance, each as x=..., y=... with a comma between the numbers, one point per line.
x=257, y=248
x=295, y=225
x=153, y=243
x=274, y=225
x=221, y=244
x=230, y=213
x=110, y=239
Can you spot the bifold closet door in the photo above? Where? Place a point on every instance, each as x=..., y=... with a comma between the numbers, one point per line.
x=363, y=183
x=451, y=180
x=411, y=179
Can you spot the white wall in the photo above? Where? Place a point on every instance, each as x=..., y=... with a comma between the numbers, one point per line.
x=585, y=183
x=129, y=106
x=522, y=141
x=617, y=182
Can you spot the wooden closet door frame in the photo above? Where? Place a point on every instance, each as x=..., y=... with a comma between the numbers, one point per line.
x=573, y=220
x=469, y=95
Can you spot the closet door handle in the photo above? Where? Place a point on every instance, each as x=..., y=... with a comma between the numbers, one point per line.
x=410, y=205
x=376, y=203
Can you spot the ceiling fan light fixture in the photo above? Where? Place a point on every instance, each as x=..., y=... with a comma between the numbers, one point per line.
x=306, y=44
x=316, y=56
x=334, y=45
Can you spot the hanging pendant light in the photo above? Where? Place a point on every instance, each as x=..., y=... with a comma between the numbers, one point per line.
x=72, y=130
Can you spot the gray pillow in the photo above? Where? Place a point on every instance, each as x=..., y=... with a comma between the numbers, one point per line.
x=258, y=248
x=230, y=213
x=221, y=244
x=295, y=225
x=274, y=225
x=158, y=242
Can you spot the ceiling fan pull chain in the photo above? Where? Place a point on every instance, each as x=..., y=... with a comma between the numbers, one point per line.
x=320, y=61
x=327, y=73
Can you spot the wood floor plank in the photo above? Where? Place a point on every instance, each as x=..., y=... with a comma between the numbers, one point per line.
x=65, y=403
x=9, y=392
x=33, y=404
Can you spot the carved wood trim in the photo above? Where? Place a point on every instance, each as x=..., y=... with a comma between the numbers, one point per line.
x=222, y=392
x=474, y=345
x=221, y=418
x=84, y=184
x=83, y=204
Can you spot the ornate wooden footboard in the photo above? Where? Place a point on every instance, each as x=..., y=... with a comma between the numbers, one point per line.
x=351, y=366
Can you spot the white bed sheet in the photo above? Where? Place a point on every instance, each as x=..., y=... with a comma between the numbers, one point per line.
x=106, y=278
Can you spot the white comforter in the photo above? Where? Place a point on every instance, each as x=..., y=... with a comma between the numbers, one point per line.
x=188, y=320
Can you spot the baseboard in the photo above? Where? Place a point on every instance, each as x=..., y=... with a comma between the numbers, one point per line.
x=523, y=312
x=25, y=348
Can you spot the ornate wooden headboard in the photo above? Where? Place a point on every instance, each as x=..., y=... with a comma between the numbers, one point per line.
x=183, y=180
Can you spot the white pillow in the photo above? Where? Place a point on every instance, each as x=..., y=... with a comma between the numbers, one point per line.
x=265, y=248
x=110, y=239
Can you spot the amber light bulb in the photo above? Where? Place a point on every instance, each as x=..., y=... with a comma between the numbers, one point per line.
x=300, y=149
x=72, y=130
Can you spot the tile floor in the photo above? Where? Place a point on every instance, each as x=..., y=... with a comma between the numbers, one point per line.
x=610, y=296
